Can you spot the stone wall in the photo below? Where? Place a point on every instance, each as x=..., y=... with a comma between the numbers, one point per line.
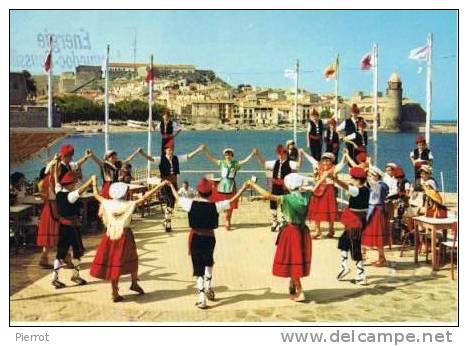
x=31, y=117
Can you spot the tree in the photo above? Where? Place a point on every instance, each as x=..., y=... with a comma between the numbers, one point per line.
x=30, y=84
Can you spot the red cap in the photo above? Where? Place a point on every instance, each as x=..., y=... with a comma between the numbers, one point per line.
x=420, y=139
x=358, y=172
x=169, y=144
x=67, y=149
x=280, y=149
x=361, y=157
x=399, y=172
x=355, y=109
x=67, y=179
x=331, y=122
x=204, y=186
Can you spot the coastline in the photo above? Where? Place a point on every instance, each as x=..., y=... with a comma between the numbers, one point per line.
x=97, y=127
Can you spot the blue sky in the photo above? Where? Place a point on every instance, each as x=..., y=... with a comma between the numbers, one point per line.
x=256, y=46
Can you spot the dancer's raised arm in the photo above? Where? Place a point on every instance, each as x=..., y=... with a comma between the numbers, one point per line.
x=248, y=158
x=210, y=156
x=348, y=158
x=196, y=151
x=308, y=157
x=151, y=192
x=264, y=193
x=148, y=157
x=96, y=159
x=132, y=155
x=83, y=159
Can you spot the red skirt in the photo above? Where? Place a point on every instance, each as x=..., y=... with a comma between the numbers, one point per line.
x=293, y=252
x=217, y=196
x=105, y=189
x=375, y=233
x=48, y=228
x=115, y=257
x=324, y=207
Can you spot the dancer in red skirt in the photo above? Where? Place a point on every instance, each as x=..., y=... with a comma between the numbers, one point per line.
x=294, y=245
x=323, y=206
x=353, y=219
x=47, y=230
x=116, y=254
x=203, y=219
x=110, y=167
x=226, y=187
x=376, y=233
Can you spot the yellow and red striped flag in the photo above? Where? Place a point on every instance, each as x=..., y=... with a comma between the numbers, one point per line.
x=331, y=71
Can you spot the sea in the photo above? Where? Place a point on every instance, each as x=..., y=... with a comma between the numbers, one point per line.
x=391, y=147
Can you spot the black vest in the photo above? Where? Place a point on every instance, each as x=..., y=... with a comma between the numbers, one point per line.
x=361, y=201
x=401, y=186
x=169, y=128
x=203, y=215
x=293, y=155
x=350, y=127
x=112, y=172
x=361, y=140
x=285, y=169
x=65, y=208
x=165, y=166
x=330, y=139
x=63, y=169
x=424, y=154
x=316, y=129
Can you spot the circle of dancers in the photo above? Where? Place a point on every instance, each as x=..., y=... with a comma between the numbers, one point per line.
x=373, y=198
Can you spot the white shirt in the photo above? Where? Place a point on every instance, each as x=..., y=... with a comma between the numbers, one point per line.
x=392, y=184
x=420, y=151
x=73, y=196
x=270, y=165
x=182, y=159
x=353, y=190
x=186, y=204
x=189, y=193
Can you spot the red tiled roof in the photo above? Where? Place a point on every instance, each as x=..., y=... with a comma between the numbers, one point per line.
x=28, y=142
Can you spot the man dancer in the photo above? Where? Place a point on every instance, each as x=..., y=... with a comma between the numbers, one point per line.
x=69, y=234
x=315, y=135
x=350, y=128
x=169, y=129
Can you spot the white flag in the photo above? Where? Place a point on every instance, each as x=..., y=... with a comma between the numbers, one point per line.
x=420, y=53
x=290, y=74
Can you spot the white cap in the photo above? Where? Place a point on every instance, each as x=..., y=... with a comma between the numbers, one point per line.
x=426, y=168
x=391, y=164
x=290, y=141
x=118, y=190
x=328, y=155
x=293, y=181
x=228, y=149
x=376, y=171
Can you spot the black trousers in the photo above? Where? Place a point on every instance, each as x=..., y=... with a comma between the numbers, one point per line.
x=350, y=240
x=166, y=194
x=69, y=236
x=201, y=250
x=276, y=190
x=316, y=149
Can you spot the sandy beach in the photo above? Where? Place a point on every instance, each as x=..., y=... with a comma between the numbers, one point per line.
x=246, y=290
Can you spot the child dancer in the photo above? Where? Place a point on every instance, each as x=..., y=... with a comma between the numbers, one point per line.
x=323, y=206
x=226, y=188
x=375, y=233
x=280, y=168
x=294, y=244
x=116, y=254
x=203, y=220
x=169, y=170
x=354, y=219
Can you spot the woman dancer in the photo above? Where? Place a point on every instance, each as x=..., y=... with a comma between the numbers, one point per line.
x=110, y=167
x=226, y=188
x=294, y=244
x=116, y=254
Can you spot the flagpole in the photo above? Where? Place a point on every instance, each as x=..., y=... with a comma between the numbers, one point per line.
x=295, y=101
x=429, y=89
x=336, y=85
x=49, y=91
x=376, y=113
x=106, y=102
x=150, y=114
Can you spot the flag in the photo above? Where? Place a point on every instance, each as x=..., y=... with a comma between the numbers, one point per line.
x=420, y=53
x=48, y=60
x=290, y=74
x=331, y=70
x=149, y=74
x=367, y=61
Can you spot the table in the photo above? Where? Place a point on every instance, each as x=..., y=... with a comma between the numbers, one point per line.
x=34, y=201
x=434, y=225
x=16, y=213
